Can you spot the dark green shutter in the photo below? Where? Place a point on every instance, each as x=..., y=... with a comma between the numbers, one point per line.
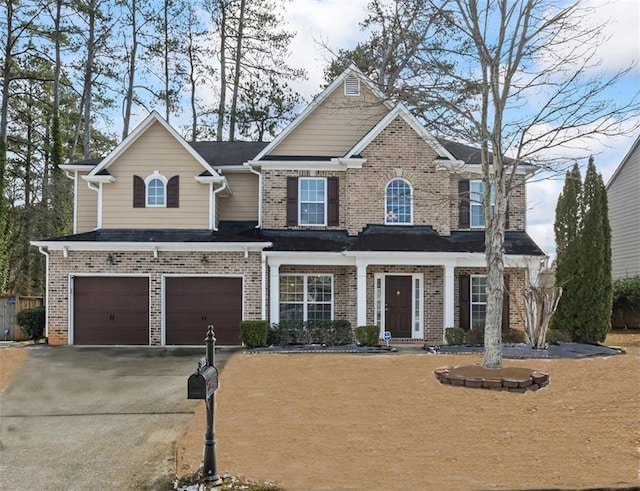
x=464, y=220
x=292, y=201
x=464, y=301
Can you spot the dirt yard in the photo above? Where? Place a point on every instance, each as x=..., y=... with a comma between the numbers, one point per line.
x=377, y=422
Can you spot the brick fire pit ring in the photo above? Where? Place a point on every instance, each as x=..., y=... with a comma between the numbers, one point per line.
x=512, y=379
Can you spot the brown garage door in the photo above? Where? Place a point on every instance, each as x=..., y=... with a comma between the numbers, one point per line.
x=110, y=310
x=193, y=303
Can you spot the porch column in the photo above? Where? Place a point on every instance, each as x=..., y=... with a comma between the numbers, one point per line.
x=274, y=292
x=361, y=292
x=448, y=297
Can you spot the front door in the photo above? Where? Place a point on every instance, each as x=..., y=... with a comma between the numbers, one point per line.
x=397, y=299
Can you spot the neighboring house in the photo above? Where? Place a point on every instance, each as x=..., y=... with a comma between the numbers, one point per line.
x=353, y=212
x=624, y=214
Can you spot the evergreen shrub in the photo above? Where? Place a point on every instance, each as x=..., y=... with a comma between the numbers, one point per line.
x=454, y=335
x=32, y=322
x=514, y=336
x=330, y=333
x=368, y=335
x=253, y=334
x=474, y=337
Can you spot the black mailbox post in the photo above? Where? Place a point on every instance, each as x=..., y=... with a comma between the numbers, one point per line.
x=202, y=384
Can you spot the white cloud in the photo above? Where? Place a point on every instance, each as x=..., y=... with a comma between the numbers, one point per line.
x=623, y=28
x=333, y=22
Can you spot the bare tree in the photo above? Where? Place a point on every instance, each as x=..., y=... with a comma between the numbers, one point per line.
x=541, y=297
x=531, y=65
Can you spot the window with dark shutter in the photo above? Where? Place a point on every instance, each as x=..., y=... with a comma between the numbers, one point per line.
x=463, y=212
x=138, y=192
x=333, y=202
x=464, y=300
x=292, y=201
x=173, y=192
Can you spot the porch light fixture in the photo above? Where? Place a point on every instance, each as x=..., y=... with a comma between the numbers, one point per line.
x=111, y=260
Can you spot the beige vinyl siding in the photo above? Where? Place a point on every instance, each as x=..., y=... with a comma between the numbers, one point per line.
x=155, y=150
x=335, y=126
x=243, y=203
x=624, y=217
x=87, y=203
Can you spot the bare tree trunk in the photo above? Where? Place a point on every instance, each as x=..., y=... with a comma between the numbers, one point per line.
x=167, y=97
x=192, y=78
x=88, y=81
x=128, y=101
x=236, y=75
x=223, y=70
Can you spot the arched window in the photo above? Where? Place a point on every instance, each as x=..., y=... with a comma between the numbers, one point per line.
x=398, y=202
x=156, y=190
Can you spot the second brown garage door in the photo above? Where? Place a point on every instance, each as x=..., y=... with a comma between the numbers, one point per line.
x=193, y=303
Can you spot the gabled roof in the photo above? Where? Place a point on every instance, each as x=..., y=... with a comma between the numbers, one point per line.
x=402, y=111
x=350, y=71
x=634, y=147
x=153, y=117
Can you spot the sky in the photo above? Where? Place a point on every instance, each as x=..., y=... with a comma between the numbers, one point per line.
x=336, y=23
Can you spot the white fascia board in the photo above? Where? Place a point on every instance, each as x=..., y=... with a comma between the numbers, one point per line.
x=402, y=111
x=217, y=179
x=153, y=117
x=278, y=258
x=335, y=164
x=100, y=178
x=462, y=166
x=74, y=167
x=351, y=70
x=151, y=246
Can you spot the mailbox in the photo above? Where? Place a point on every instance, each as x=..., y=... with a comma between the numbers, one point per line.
x=203, y=383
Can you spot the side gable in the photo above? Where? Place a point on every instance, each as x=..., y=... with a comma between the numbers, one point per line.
x=334, y=122
x=141, y=129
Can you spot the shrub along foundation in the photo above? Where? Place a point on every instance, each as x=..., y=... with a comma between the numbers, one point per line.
x=512, y=379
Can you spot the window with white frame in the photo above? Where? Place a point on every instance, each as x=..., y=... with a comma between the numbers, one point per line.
x=398, y=203
x=478, y=301
x=312, y=204
x=306, y=297
x=476, y=201
x=156, y=190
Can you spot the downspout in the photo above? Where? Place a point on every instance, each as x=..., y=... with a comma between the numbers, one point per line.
x=43, y=251
x=74, y=178
x=98, y=190
x=259, y=174
x=213, y=223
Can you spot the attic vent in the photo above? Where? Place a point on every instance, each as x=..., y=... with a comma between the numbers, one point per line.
x=352, y=86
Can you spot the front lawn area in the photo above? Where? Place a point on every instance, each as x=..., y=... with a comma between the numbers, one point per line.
x=343, y=421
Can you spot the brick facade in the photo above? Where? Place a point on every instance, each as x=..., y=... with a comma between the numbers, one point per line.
x=143, y=263
x=398, y=151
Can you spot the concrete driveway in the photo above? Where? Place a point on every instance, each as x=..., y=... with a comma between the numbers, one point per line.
x=96, y=418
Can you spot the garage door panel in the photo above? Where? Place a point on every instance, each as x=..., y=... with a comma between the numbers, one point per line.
x=194, y=303
x=111, y=310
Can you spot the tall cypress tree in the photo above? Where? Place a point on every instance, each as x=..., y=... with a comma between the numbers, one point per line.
x=567, y=230
x=583, y=267
x=595, y=287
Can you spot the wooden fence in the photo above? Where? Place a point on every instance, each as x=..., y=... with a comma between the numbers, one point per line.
x=9, y=307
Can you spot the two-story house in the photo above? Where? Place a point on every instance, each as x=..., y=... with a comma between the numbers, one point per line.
x=353, y=212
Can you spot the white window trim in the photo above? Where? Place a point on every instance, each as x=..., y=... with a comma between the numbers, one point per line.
x=416, y=317
x=326, y=192
x=305, y=298
x=386, y=202
x=473, y=203
x=147, y=181
x=471, y=302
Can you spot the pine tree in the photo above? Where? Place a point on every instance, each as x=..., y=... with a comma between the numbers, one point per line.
x=583, y=264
